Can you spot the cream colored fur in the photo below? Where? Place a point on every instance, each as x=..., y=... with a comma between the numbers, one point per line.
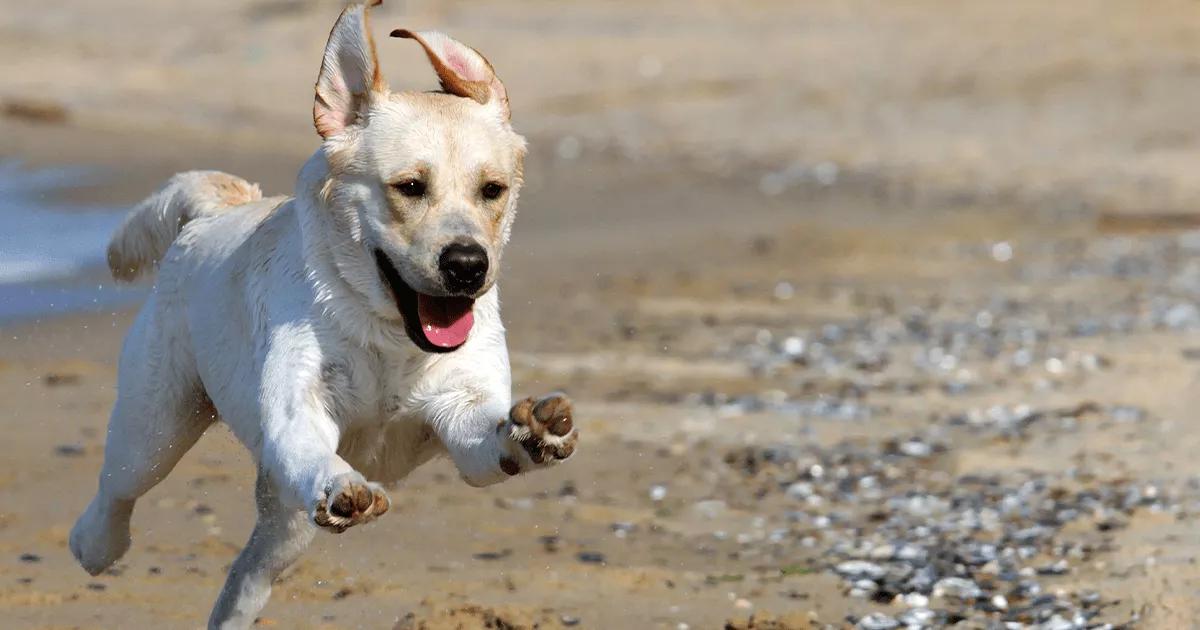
x=272, y=316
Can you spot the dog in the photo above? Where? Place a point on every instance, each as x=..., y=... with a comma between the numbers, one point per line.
x=347, y=334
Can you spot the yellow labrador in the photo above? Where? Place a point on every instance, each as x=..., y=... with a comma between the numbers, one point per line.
x=347, y=334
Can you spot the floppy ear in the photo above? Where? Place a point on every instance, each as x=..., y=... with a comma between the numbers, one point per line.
x=349, y=72
x=460, y=68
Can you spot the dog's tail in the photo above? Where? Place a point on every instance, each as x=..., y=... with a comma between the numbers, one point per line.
x=142, y=240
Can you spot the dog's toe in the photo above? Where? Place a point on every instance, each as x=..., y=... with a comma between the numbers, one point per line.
x=350, y=500
x=544, y=429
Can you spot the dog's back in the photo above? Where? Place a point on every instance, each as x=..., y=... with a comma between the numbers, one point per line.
x=142, y=240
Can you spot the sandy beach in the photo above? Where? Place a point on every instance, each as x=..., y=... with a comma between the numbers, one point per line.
x=882, y=321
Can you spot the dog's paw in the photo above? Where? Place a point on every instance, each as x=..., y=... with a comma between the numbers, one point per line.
x=349, y=500
x=542, y=429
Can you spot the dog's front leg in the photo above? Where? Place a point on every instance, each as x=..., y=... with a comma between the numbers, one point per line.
x=300, y=438
x=301, y=457
x=302, y=481
x=467, y=401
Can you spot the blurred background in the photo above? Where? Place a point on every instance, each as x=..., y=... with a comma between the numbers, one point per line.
x=876, y=313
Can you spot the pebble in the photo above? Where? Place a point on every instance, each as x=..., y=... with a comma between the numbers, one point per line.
x=860, y=569
x=917, y=617
x=958, y=588
x=622, y=530
x=69, y=450
x=883, y=552
x=985, y=549
x=784, y=291
x=800, y=490
x=591, y=557
x=935, y=536
x=877, y=621
x=864, y=588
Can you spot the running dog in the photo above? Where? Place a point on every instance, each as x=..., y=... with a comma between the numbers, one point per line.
x=346, y=335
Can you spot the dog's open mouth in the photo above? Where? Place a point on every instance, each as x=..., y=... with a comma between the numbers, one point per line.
x=435, y=324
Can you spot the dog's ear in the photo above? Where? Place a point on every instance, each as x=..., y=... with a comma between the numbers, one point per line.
x=349, y=72
x=461, y=69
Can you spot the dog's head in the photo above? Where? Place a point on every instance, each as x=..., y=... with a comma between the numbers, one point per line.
x=422, y=186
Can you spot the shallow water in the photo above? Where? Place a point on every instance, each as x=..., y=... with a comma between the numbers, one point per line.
x=51, y=253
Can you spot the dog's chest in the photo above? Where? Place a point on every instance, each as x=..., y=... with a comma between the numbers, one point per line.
x=365, y=388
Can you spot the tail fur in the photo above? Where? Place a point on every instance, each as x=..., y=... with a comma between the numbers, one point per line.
x=142, y=240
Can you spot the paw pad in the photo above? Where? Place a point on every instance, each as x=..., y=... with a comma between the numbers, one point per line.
x=544, y=428
x=350, y=503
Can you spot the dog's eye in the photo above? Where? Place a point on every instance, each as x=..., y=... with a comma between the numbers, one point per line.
x=410, y=188
x=492, y=190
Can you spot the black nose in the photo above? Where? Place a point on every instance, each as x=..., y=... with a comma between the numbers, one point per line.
x=464, y=265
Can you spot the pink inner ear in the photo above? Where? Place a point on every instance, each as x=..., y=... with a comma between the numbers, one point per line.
x=456, y=62
x=339, y=84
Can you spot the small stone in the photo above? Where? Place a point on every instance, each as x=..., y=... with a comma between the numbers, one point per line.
x=800, y=490
x=743, y=604
x=792, y=346
x=784, y=291
x=883, y=552
x=911, y=553
x=860, y=569
x=920, y=617
x=864, y=588
x=69, y=450
x=916, y=448
x=569, y=620
x=1057, y=623
x=492, y=555
x=877, y=621
x=30, y=558
x=915, y=600
x=957, y=588
x=1058, y=568
x=658, y=492
x=519, y=503
x=591, y=557
x=55, y=379
x=622, y=530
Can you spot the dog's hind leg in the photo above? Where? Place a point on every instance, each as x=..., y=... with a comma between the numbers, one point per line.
x=161, y=411
x=278, y=539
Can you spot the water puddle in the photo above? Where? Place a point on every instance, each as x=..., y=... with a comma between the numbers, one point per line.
x=52, y=254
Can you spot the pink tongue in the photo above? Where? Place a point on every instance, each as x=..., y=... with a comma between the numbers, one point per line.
x=445, y=320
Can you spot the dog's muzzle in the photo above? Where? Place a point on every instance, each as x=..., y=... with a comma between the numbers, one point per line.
x=433, y=323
